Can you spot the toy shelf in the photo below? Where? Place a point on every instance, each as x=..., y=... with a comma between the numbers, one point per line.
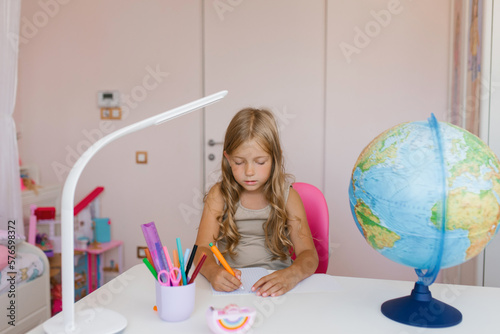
x=95, y=261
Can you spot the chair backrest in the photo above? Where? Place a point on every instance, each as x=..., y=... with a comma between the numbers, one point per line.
x=318, y=219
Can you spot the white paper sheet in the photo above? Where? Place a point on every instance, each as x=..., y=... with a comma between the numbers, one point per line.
x=248, y=277
x=314, y=283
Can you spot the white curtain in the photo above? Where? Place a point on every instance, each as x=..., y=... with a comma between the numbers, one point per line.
x=10, y=189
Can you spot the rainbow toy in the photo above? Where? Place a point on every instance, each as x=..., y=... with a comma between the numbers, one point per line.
x=230, y=319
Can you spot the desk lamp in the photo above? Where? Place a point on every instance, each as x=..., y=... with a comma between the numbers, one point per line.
x=98, y=320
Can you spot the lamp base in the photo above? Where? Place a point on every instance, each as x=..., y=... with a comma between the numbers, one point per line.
x=101, y=321
x=421, y=310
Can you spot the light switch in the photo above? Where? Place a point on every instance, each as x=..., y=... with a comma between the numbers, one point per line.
x=141, y=157
x=116, y=113
x=113, y=113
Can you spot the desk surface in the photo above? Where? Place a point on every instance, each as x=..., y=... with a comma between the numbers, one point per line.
x=352, y=308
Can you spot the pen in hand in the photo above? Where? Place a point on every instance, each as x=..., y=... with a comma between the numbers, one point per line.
x=223, y=261
x=191, y=258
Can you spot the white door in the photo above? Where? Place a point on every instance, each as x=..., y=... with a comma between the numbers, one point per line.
x=268, y=54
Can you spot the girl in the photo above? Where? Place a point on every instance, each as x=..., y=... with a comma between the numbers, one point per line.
x=253, y=213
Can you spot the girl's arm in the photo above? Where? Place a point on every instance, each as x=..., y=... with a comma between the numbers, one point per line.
x=208, y=231
x=306, y=262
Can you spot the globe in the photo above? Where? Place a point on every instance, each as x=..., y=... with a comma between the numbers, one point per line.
x=426, y=194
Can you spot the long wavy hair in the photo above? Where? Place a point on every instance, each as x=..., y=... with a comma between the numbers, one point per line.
x=259, y=125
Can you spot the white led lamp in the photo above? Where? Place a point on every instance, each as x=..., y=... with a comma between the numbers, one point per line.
x=103, y=320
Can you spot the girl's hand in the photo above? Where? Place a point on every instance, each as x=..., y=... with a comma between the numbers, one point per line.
x=306, y=262
x=221, y=280
x=276, y=284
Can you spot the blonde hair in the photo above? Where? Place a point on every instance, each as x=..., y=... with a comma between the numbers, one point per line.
x=259, y=125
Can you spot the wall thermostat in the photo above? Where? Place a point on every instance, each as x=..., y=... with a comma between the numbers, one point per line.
x=108, y=98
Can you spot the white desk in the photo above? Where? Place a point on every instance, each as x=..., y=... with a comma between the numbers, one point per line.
x=354, y=308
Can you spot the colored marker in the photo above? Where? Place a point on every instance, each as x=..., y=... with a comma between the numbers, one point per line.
x=221, y=258
x=198, y=267
x=148, y=256
x=176, y=262
x=151, y=268
x=223, y=261
x=169, y=261
x=191, y=258
x=181, y=260
x=175, y=256
x=186, y=257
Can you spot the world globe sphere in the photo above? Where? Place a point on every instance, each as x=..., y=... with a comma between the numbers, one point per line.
x=426, y=195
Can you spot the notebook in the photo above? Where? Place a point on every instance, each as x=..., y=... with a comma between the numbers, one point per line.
x=248, y=277
x=313, y=284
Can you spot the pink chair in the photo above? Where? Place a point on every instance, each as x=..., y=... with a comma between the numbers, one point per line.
x=318, y=219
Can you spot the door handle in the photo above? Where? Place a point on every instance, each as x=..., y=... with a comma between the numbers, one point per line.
x=211, y=157
x=212, y=142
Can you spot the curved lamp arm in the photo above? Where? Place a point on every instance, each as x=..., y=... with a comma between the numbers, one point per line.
x=68, y=195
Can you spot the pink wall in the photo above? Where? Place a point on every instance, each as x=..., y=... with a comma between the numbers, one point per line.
x=90, y=45
x=95, y=45
x=399, y=73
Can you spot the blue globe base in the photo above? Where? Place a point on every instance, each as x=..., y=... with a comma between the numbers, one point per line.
x=421, y=310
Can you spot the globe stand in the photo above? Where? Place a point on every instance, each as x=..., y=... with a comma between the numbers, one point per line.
x=421, y=310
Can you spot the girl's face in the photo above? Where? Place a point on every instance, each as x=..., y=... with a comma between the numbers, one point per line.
x=251, y=165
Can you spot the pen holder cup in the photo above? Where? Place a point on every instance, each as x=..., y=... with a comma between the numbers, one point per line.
x=175, y=303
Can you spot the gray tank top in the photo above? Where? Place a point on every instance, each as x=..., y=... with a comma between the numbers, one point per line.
x=251, y=249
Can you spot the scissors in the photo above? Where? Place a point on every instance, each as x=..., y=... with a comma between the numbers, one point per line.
x=172, y=278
